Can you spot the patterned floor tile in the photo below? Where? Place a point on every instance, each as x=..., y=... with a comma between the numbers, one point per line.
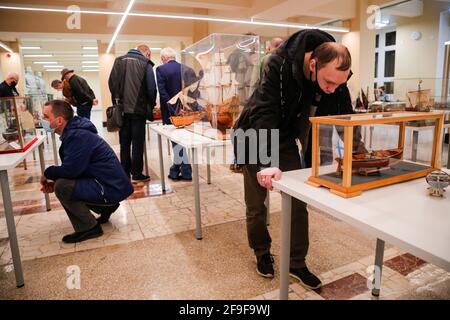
x=405, y=264
x=344, y=288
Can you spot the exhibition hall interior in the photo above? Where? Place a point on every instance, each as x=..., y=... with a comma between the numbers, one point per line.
x=225, y=150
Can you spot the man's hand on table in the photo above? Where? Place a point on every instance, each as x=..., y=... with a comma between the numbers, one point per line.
x=265, y=177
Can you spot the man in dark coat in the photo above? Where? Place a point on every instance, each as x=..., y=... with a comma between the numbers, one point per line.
x=132, y=84
x=172, y=77
x=90, y=175
x=8, y=87
x=82, y=93
x=306, y=76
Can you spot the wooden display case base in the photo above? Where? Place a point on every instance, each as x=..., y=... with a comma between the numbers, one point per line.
x=400, y=172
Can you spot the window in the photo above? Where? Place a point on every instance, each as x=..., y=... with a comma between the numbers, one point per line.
x=385, y=55
x=389, y=64
x=376, y=65
x=391, y=38
x=389, y=87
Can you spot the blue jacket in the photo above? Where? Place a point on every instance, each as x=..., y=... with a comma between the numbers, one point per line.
x=168, y=77
x=89, y=160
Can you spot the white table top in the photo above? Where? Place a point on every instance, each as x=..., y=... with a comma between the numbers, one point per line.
x=11, y=160
x=186, y=138
x=402, y=214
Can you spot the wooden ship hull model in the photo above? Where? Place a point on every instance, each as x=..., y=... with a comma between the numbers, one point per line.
x=186, y=119
x=371, y=163
x=223, y=116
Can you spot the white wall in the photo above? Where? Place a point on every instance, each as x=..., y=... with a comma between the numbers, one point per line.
x=417, y=59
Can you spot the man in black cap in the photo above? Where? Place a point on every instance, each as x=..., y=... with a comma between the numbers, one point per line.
x=81, y=92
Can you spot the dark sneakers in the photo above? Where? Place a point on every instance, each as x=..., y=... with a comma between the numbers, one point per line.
x=264, y=265
x=140, y=178
x=305, y=277
x=85, y=235
x=106, y=212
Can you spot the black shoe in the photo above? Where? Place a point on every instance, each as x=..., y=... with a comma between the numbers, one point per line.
x=264, y=265
x=85, y=235
x=140, y=178
x=174, y=179
x=105, y=212
x=306, y=278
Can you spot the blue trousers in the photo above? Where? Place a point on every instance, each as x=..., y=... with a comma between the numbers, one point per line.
x=181, y=166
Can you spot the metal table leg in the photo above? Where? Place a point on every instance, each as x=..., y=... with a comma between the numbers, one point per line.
x=25, y=164
x=145, y=158
x=42, y=161
x=169, y=148
x=286, y=205
x=55, y=150
x=161, y=164
x=267, y=203
x=198, y=217
x=208, y=165
x=379, y=255
x=9, y=216
x=415, y=142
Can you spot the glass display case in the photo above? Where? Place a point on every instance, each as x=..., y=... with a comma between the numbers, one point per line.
x=353, y=153
x=17, y=124
x=36, y=103
x=219, y=74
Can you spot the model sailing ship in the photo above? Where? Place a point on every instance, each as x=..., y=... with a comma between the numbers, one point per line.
x=371, y=163
x=420, y=100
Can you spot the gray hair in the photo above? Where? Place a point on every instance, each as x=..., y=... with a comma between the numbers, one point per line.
x=168, y=53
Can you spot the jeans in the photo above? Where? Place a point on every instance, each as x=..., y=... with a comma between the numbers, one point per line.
x=181, y=164
x=84, y=111
x=132, y=139
x=77, y=211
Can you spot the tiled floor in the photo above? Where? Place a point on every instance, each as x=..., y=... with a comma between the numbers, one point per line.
x=339, y=253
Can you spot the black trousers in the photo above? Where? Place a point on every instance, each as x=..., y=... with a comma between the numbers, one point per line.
x=256, y=212
x=132, y=139
x=84, y=111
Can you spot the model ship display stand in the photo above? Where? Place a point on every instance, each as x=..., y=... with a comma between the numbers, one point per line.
x=358, y=172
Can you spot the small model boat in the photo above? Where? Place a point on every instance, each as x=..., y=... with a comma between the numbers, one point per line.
x=372, y=162
x=182, y=121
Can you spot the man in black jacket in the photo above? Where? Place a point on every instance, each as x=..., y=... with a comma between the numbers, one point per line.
x=81, y=92
x=8, y=87
x=306, y=76
x=132, y=84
